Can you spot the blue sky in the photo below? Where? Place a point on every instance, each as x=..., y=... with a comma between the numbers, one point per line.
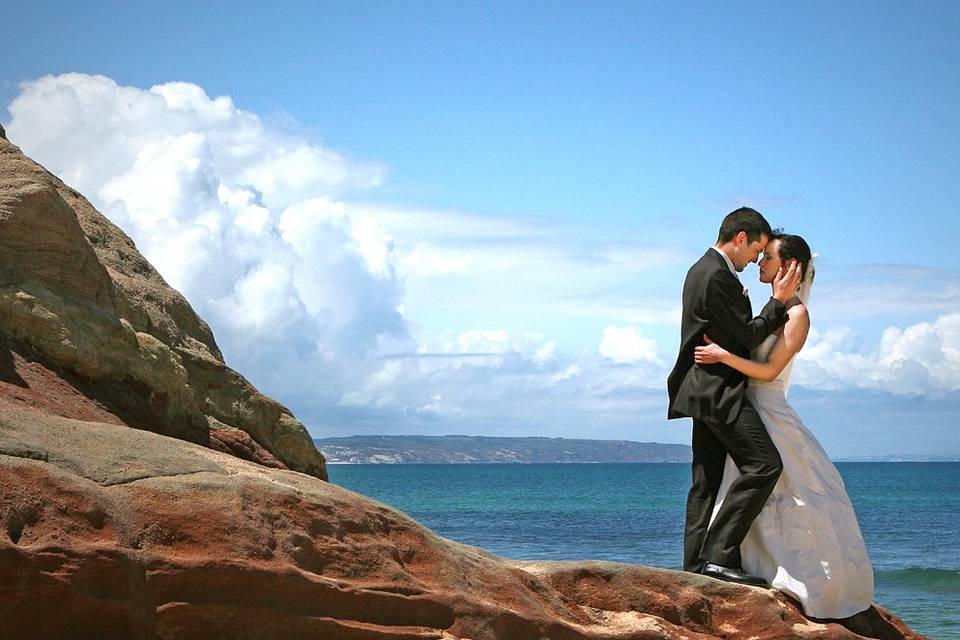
x=476, y=217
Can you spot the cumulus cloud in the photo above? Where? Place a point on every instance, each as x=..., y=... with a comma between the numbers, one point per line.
x=310, y=293
x=495, y=382
x=90, y=128
x=245, y=219
x=370, y=318
x=625, y=344
x=923, y=358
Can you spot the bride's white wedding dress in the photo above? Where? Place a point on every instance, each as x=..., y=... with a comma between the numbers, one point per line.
x=806, y=540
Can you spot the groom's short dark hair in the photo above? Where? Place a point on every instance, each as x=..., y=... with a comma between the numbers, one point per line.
x=744, y=219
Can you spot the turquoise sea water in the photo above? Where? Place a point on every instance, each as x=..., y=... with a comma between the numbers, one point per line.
x=909, y=514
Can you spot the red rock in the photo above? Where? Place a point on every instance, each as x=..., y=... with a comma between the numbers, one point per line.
x=118, y=533
x=78, y=299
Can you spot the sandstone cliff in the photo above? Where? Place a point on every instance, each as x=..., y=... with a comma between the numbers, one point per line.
x=75, y=290
x=209, y=517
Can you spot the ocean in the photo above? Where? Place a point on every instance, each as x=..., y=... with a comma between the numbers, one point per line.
x=909, y=514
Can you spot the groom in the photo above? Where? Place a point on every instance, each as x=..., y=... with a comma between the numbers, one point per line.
x=715, y=304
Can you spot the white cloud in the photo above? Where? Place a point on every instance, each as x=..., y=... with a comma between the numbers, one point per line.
x=495, y=382
x=625, y=344
x=364, y=317
x=249, y=216
x=63, y=118
x=304, y=289
x=546, y=353
x=244, y=219
x=923, y=358
x=262, y=299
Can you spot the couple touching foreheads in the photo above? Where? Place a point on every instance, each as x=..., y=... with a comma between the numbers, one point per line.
x=766, y=505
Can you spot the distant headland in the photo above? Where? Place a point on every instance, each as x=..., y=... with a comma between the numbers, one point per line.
x=462, y=449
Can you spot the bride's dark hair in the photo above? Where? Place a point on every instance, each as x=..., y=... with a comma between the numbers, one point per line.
x=794, y=247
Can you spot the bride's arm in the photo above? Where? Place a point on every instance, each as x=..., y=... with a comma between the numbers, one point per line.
x=794, y=335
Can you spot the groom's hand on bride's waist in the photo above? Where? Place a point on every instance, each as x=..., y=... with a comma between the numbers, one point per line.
x=710, y=353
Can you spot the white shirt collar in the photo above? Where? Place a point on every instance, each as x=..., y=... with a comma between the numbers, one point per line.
x=729, y=262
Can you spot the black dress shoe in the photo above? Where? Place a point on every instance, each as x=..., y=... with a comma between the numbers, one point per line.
x=729, y=574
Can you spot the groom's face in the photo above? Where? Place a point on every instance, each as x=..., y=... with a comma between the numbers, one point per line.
x=747, y=251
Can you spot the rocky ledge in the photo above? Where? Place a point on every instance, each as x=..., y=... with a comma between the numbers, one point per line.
x=149, y=491
x=110, y=532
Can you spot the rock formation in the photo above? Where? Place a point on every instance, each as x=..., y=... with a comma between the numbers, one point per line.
x=148, y=491
x=112, y=532
x=75, y=290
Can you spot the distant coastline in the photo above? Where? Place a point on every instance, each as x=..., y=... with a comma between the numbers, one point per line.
x=461, y=449
x=464, y=449
x=945, y=457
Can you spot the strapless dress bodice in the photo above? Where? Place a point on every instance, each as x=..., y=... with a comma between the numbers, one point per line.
x=761, y=354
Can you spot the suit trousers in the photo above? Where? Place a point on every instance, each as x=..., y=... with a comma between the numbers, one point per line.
x=746, y=441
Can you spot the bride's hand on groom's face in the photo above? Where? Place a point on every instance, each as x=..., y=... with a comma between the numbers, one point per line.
x=710, y=353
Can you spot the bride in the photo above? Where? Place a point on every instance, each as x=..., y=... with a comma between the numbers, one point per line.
x=806, y=540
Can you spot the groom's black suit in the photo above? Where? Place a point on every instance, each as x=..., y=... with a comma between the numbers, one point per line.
x=724, y=421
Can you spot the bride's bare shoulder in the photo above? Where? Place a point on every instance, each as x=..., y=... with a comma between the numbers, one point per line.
x=798, y=311
x=797, y=325
x=796, y=316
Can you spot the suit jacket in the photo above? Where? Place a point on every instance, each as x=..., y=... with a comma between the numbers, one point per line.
x=714, y=304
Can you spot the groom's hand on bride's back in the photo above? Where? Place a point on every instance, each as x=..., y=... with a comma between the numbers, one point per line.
x=709, y=353
x=786, y=283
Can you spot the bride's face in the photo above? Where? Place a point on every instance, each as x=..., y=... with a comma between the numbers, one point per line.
x=770, y=262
